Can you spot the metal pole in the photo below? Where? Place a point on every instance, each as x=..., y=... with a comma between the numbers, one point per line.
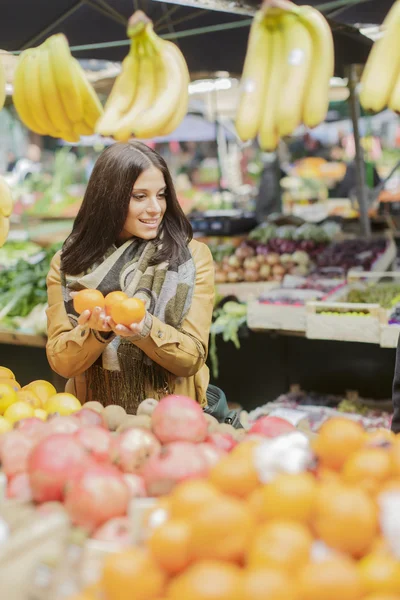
x=359, y=158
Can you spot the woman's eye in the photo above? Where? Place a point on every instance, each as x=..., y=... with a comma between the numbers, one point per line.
x=138, y=196
x=162, y=195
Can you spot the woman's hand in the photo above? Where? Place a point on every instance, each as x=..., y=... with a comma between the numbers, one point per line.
x=95, y=319
x=121, y=330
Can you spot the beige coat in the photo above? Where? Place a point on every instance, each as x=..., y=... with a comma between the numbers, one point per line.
x=72, y=350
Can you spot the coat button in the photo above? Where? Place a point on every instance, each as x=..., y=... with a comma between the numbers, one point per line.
x=160, y=333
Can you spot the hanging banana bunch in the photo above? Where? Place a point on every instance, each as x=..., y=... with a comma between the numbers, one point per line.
x=6, y=206
x=150, y=96
x=286, y=74
x=52, y=95
x=380, y=81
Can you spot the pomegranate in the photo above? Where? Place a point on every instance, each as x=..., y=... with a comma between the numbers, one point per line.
x=136, y=486
x=132, y=448
x=223, y=441
x=19, y=488
x=15, y=449
x=59, y=424
x=271, y=427
x=97, y=495
x=117, y=531
x=178, y=418
x=33, y=428
x=53, y=462
x=211, y=453
x=90, y=418
x=176, y=462
x=97, y=442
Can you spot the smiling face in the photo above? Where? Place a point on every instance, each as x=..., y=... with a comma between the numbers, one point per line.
x=147, y=206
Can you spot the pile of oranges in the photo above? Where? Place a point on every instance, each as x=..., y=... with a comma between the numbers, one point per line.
x=37, y=399
x=117, y=305
x=312, y=535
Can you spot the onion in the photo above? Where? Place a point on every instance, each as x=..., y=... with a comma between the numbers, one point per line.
x=250, y=275
x=272, y=258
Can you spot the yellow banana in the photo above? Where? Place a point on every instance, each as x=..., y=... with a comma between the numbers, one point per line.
x=122, y=93
x=316, y=100
x=92, y=108
x=2, y=84
x=82, y=128
x=268, y=137
x=383, y=65
x=254, y=79
x=176, y=119
x=51, y=98
x=21, y=95
x=65, y=77
x=6, y=201
x=32, y=83
x=172, y=77
x=4, y=229
x=394, y=100
x=297, y=60
x=145, y=93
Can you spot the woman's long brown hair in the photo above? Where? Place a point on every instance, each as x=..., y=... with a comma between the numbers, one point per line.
x=105, y=206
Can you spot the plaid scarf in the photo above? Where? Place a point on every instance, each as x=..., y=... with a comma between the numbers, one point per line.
x=124, y=374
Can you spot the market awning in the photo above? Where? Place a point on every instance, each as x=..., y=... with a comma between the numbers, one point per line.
x=25, y=23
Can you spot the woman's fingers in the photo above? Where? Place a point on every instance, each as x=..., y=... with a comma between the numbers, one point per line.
x=84, y=317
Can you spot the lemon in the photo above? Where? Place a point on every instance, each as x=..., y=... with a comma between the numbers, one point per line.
x=18, y=411
x=40, y=413
x=4, y=425
x=7, y=396
x=43, y=389
x=64, y=404
x=6, y=373
x=29, y=397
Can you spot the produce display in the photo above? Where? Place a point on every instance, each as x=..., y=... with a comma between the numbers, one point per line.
x=52, y=94
x=340, y=257
x=6, y=204
x=283, y=518
x=150, y=97
x=271, y=252
x=228, y=320
x=380, y=81
x=385, y=294
x=23, y=293
x=286, y=75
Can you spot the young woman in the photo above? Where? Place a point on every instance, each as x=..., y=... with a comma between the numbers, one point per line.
x=131, y=235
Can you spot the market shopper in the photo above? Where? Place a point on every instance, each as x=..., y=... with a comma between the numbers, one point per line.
x=396, y=394
x=132, y=235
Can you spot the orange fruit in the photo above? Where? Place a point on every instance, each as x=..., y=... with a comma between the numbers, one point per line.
x=380, y=437
x=368, y=467
x=289, y=497
x=190, y=497
x=169, y=544
x=7, y=396
x=280, y=544
x=382, y=596
x=395, y=457
x=14, y=384
x=245, y=449
x=263, y=583
x=380, y=573
x=345, y=518
x=337, y=439
x=131, y=310
x=335, y=578
x=29, y=397
x=255, y=502
x=88, y=300
x=133, y=573
x=207, y=580
x=235, y=475
x=222, y=530
x=6, y=373
x=63, y=404
x=113, y=298
x=43, y=389
x=18, y=411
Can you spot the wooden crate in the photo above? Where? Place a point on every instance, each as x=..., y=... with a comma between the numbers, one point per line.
x=342, y=327
x=389, y=335
x=246, y=291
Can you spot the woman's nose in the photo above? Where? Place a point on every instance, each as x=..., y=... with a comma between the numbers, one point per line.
x=154, y=207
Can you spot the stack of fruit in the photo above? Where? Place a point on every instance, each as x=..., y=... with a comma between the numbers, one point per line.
x=52, y=95
x=6, y=207
x=150, y=96
x=348, y=254
x=276, y=519
x=287, y=70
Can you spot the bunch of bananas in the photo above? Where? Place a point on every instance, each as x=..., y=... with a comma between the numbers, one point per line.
x=6, y=206
x=285, y=80
x=51, y=93
x=380, y=81
x=150, y=96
